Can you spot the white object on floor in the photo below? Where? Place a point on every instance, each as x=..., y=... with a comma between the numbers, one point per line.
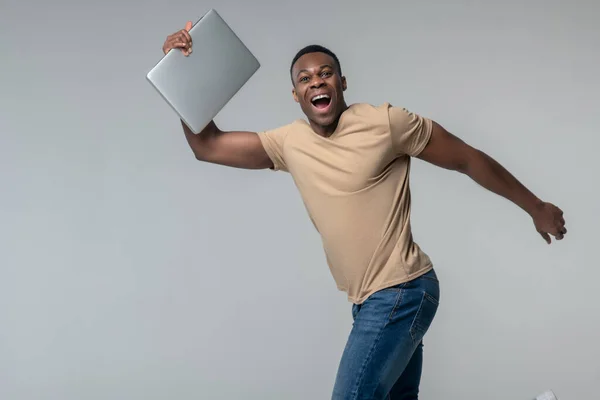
x=549, y=395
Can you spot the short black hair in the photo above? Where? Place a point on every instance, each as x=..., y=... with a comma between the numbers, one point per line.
x=315, y=48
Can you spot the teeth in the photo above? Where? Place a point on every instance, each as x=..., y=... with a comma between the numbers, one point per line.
x=320, y=96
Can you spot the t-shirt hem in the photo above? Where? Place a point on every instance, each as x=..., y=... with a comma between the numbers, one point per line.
x=415, y=275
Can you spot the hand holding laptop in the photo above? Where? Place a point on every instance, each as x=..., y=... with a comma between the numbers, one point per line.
x=180, y=40
x=197, y=86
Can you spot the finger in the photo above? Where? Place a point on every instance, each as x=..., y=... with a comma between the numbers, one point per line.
x=188, y=40
x=184, y=38
x=167, y=47
x=188, y=26
x=561, y=231
x=187, y=36
x=186, y=46
x=180, y=40
x=546, y=237
x=177, y=36
x=171, y=46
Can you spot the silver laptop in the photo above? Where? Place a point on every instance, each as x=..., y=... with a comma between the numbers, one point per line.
x=198, y=86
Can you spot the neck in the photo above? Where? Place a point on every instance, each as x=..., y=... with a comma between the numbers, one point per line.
x=327, y=130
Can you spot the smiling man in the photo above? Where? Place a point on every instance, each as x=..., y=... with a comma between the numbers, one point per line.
x=351, y=165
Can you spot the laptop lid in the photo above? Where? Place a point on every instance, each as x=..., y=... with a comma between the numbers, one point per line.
x=198, y=86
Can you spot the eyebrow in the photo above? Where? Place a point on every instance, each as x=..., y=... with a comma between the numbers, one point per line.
x=320, y=68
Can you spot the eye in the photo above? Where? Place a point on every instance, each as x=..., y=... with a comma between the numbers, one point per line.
x=326, y=74
x=304, y=79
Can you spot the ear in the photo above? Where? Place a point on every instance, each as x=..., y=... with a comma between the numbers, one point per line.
x=344, y=83
x=295, y=95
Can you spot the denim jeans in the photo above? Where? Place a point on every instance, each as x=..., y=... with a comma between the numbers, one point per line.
x=384, y=353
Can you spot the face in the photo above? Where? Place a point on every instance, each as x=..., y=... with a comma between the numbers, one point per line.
x=319, y=88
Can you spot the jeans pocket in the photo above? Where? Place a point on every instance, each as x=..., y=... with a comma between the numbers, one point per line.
x=424, y=317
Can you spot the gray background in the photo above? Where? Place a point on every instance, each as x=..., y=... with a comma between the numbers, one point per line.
x=128, y=270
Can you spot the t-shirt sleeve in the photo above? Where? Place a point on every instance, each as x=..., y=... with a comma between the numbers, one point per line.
x=410, y=132
x=273, y=142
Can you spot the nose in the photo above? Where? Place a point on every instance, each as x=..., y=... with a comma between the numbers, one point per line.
x=317, y=82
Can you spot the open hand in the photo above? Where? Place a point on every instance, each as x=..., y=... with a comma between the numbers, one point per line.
x=179, y=40
x=548, y=220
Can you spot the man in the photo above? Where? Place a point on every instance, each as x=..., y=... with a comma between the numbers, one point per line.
x=351, y=165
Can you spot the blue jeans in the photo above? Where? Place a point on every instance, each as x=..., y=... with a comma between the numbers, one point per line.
x=384, y=354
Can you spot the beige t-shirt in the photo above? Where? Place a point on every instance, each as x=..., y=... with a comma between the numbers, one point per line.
x=355, y=186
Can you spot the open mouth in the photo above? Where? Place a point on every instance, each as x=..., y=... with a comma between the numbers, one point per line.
x=321, y=102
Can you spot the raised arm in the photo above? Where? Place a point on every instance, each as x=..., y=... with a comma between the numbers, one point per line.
x=238, y=149
x=447, y=151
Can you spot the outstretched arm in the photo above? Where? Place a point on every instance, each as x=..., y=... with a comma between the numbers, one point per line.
x=448, y=151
